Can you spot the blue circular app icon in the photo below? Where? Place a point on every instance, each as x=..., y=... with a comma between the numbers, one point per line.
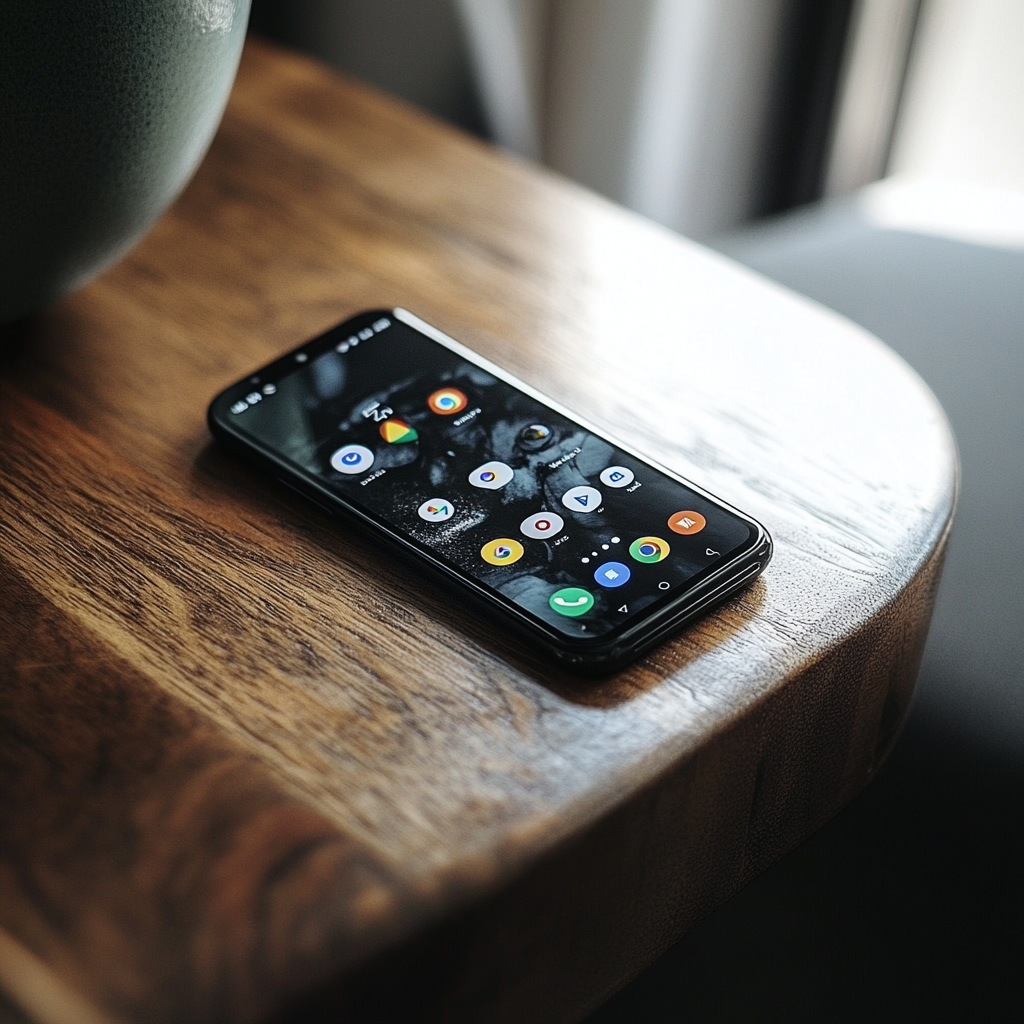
x=612, y=574
x=353, y=458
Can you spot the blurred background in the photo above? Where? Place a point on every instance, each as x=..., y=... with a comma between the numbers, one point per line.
x=870, y=154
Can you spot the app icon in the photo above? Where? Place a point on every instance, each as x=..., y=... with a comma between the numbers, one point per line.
x=491, y=475
x=447, y=401
x=397, y=431
x=436, y=510
x=542, y=525
x=649, y=549
x=612, y=574
x=377, y=412
x=353, y=458
x=571, y=601
x=686, y=523
x=503, y=551
x=534, y=437
x=582, y=499
x=617, y=476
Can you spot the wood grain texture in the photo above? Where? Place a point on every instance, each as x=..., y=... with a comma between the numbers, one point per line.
x=253, y=765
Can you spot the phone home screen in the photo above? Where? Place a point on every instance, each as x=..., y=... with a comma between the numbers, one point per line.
x=575, y=531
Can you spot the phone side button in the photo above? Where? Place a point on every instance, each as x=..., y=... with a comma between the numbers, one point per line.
x=306, y=497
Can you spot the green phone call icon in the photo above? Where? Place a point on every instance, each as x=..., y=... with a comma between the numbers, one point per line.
x=571, y=601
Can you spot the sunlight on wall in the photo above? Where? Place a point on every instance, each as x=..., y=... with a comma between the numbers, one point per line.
x=963, y=116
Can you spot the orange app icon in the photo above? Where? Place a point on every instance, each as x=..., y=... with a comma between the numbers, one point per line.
x=686, y=523
x=447, y=401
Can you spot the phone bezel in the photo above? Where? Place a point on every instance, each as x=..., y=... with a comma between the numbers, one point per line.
x=604, y=651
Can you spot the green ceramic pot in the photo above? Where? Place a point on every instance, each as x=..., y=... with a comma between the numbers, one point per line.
x=106, y=109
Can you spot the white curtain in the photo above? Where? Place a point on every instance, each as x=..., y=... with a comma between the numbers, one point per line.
x=962, y=118
x=658, y=104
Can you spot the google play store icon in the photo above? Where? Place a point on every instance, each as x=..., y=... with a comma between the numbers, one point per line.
x=397, y=431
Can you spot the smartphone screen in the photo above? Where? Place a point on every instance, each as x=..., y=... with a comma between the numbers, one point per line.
x=449, y=454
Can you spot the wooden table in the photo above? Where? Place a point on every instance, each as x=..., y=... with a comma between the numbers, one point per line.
x=253, y=764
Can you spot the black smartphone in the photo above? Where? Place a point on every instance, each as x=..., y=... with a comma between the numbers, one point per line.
x=580, y=544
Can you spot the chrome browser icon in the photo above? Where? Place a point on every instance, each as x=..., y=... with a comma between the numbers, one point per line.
x=649, y=549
